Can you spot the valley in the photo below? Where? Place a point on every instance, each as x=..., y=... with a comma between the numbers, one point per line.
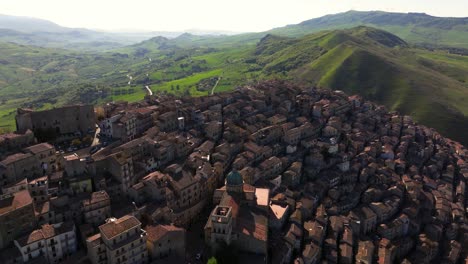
x=427, y=84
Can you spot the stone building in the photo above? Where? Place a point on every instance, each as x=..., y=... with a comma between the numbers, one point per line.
x=16, y=216
x=62, y=120
x=166, y=241
x=55, y=242
x=97, y=208
x=34, y=161
x=119, y=241
x=241, y=217
x=13, y=141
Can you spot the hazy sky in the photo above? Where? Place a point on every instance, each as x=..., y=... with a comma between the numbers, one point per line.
x=233, y=15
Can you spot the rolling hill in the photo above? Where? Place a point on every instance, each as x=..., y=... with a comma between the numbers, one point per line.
x=44, y=33
x=430, y=85
x=416, y=28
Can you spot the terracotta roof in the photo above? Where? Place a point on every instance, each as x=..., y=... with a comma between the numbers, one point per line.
x=42, y=208
x=34, y=236
x=144, y=110
x=94, y=240
x=39, y=148
x=183, y=180
x=15, y=157
x=47, y=231
x=120, y=158
x=157, y=232
x=252, y=223
x=17, y=200
x=96, y=197
x=117, y=226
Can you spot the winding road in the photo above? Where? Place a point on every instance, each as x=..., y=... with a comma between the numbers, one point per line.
x=214, y=87
x=149, y=90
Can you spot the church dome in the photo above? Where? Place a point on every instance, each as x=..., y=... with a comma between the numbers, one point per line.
x=234, y=179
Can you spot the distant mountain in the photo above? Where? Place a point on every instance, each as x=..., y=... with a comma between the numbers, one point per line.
x=432, y=87
x=412, y=27
x=43, y=33
x=29, y=24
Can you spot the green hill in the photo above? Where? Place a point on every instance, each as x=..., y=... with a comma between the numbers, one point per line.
x=430, y=86
x=416, y=28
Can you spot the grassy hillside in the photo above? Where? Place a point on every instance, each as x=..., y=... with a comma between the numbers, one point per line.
x=430, y=85
x=42, y=77
x=415, y=28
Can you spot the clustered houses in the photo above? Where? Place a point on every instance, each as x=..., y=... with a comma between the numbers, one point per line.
x=297, y=175
x=122, y=122
x=33, y=161
x=16, y=141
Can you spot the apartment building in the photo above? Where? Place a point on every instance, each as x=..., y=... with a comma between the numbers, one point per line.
x=54, y=242
x=16, y=216
x=97, y=208
x=122, y=240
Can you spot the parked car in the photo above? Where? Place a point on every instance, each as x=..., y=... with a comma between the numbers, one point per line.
x=94, y=149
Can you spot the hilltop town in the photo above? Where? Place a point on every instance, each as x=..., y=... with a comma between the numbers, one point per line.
x=281, y=174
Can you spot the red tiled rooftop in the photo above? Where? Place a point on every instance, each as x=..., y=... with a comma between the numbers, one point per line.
x=14, y=158
x=114, y=228
x=17, y=200
x=39, y=148
x=157, y=232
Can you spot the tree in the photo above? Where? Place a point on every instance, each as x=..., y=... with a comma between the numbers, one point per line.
x=88, y=140
x=100, y=113
x=76, y=142
x=212, y=260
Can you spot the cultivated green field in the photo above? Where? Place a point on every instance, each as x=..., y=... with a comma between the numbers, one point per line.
x=430, y=85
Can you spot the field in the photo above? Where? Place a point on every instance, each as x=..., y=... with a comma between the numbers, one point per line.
x=362, y=60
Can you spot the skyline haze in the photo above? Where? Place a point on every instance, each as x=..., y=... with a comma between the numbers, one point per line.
x=239, y=16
